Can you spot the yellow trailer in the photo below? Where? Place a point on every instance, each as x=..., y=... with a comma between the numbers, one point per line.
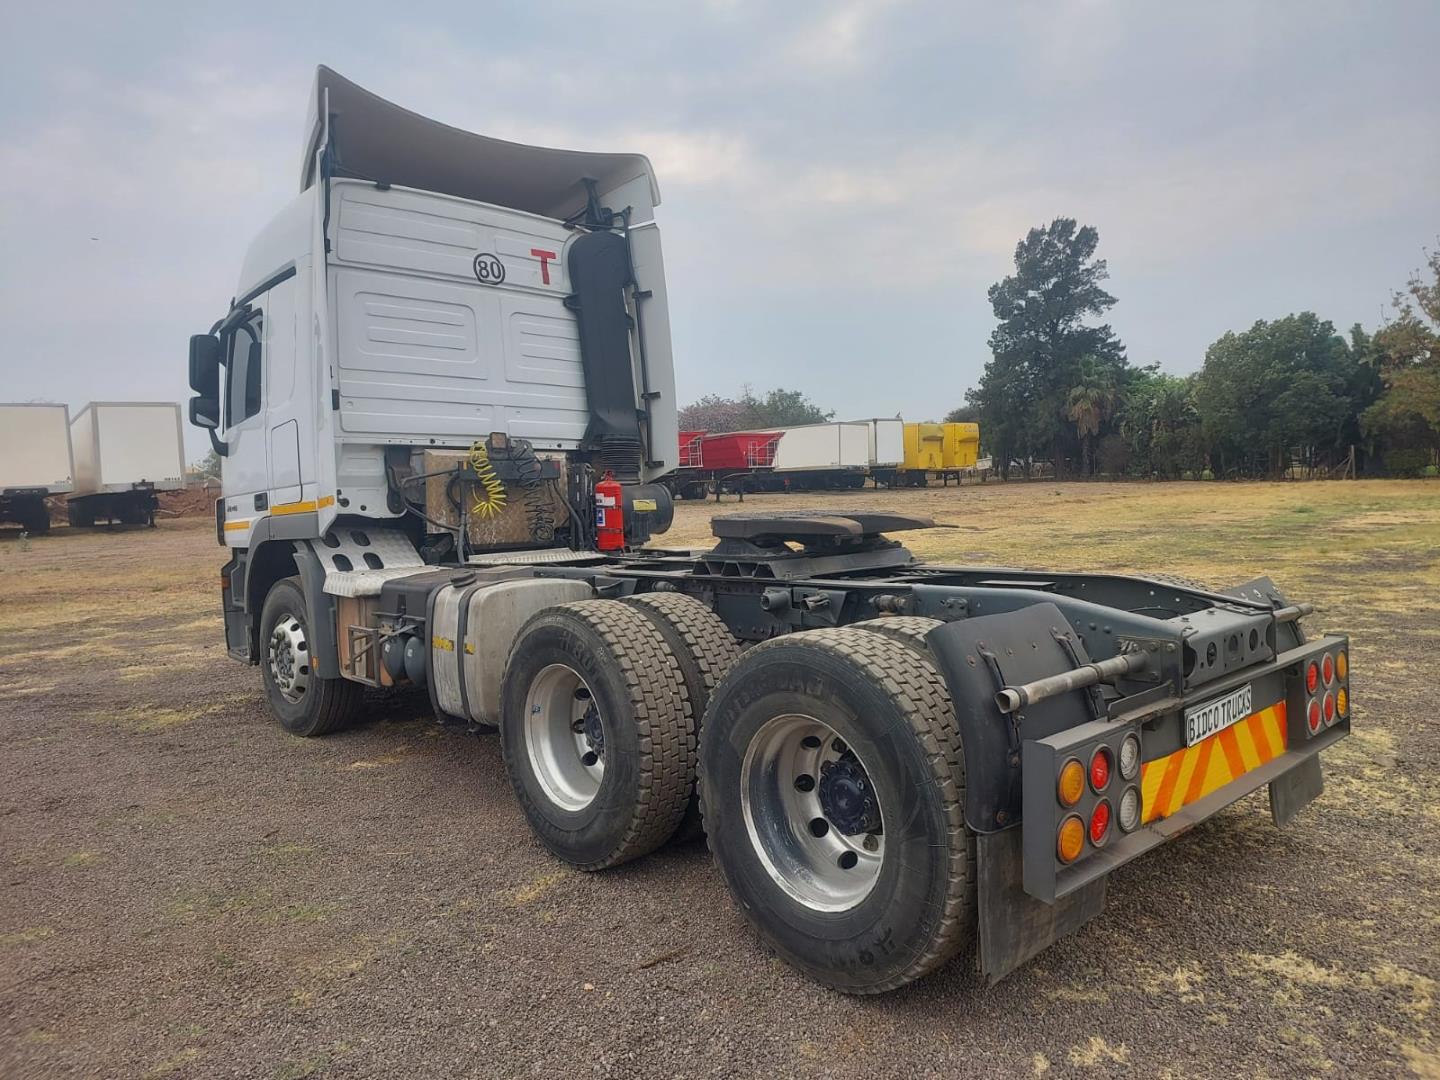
x=924, y=453
x=962, y=446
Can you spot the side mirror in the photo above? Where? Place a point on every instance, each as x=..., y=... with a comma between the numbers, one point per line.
x=205, y=369
x=205, y=412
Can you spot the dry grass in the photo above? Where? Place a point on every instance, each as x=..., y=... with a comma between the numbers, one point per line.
x=1224, y=533
x=240, y=873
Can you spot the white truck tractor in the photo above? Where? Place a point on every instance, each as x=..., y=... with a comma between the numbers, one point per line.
x=443, y=397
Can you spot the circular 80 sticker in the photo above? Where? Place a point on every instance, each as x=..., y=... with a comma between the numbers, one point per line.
x=489, y=270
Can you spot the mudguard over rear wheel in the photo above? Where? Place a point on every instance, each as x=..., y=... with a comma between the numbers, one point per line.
x=832, y=786
x=597, y=732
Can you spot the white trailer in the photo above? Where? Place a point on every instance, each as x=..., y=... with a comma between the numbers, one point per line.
x=35, y=461
x=125, y=451
x=886, y=442
x=832, y=455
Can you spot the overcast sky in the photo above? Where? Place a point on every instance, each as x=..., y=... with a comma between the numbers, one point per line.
x=840, y=182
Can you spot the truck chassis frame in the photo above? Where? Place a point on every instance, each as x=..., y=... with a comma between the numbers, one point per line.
x=1040, y=667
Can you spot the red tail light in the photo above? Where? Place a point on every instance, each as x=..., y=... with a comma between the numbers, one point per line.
x=1329, y=708
x=1312, y=677
x=1313, y=717
x=1327, y=669
x=1100, y=769
x=1100, y=823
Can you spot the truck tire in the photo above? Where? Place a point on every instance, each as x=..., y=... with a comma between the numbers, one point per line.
x=80, y=515
x=597, y=732
x=832, y=785
x=303, y=702
x=704, y=648
x=908, y=630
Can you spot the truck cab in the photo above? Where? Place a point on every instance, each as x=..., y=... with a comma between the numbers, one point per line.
x=432, y=294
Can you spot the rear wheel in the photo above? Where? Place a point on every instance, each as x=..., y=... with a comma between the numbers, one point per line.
x=908, y=630
x=832, y=788
x=597, y=732
x=704, y=650
x=303, y=702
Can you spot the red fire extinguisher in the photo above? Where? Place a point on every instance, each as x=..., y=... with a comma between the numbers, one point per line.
x=609, y=517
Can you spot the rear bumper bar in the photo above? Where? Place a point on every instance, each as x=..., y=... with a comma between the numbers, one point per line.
x=1275, y=771
x=1293, y=774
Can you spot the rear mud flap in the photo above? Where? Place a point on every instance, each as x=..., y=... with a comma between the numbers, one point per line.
x=1014, y=926
x=977, y=656
x=1293, y=791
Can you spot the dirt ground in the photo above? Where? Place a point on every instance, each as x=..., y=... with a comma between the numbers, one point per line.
x=187, y=891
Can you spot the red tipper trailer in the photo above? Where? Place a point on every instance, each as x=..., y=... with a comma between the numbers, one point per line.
x=690, y=449
x=739, y=450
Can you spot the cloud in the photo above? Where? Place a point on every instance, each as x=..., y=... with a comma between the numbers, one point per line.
x=837, y=39
x=836, y=177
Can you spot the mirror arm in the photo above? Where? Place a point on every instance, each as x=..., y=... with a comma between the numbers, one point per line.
x=219, y=445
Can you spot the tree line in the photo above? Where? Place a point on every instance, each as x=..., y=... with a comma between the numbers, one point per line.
x=752, y=412
x=1283, y=397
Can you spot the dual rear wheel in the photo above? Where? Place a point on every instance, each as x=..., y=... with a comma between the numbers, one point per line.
x=826, y=765
x=833, y=792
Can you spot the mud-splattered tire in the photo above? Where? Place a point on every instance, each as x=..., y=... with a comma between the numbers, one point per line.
x=303, y=702
x=704, y=648
x=888, y=706
x=608, y=654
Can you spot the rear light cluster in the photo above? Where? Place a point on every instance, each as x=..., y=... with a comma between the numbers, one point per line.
x=1327, y=690
x=1107, y=779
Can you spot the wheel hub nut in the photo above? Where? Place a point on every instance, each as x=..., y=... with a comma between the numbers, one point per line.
x=848, y=798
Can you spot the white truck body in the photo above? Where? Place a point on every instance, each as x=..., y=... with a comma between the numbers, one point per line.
x=121, y=445
x=35, y=449
x=809, y=447
x=424, y=308
x=886, y=442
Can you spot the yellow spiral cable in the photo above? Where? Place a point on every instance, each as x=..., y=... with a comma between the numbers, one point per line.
x=489, y=493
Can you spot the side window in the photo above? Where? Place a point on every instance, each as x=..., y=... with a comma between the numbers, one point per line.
x=244, y=362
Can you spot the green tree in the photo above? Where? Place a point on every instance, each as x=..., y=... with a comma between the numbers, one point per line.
x=208, y=466
x=1023, y=399
x=963, y=414
x=1161, y=425
x=1277, y=390
x=778, y=408
x=1089, y=404
x=787, y=408
x=1405, y=357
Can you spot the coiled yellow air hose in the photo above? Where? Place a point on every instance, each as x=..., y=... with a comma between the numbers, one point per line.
x=489, y=491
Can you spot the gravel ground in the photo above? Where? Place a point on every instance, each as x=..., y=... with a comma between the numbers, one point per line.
x=188, y=891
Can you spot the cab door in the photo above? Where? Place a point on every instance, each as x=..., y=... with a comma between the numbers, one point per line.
x=286, y=396
x=246, y=479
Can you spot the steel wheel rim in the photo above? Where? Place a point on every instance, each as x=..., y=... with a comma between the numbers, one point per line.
x=288, y=656
x=562, y=722
x=827, y=872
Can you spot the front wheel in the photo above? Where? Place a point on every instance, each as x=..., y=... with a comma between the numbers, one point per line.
x=303, y=702
x=832, y=789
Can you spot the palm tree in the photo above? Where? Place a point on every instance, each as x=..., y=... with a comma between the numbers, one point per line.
x=1089, y=404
